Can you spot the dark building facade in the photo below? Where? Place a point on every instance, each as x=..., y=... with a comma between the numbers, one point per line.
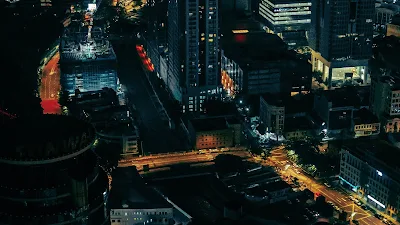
x=341, y=40
x=54, y=178
x=193, y=52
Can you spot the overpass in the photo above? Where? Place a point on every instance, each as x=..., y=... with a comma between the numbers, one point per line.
x=167, y=160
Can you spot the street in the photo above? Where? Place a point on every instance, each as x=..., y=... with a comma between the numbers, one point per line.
x=159, y=161
x=278, y=159
x=155, y=133
x=50, y=86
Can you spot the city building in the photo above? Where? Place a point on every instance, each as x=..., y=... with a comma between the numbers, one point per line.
x=289, y=19
x=236, y=5
x=341, y=40
x=132, y=202
x=336, y=108
x=365, y=123
x=211, y=133
x=55, y=178
x=87, y=59
x=249, y=68
x=114, y=123
x=384, y=14
x=393, y=28
x=193, y=52
x=272, y=113
x=236, y=125
x=298, y=128
x=369, y=169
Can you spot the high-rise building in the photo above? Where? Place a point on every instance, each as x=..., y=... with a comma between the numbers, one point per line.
x=289, y=19
x=87, y=59
x=341, y=40
x=193, y=51
x=55, y=178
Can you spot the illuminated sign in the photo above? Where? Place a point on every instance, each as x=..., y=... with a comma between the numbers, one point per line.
x=379, y=172
x=55, y=148
x=291, y=9
x=376, y=201
x=240, y=31
x=92, y=7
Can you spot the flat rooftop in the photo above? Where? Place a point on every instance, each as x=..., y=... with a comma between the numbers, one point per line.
x=298, y=123
x=129, y=191
x=342, y=97
x=364, y=116
x=115, y=120
x=209, y=124
x=245, y=48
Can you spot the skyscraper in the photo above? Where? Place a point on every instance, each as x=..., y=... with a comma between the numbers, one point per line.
x=341, y=39
x=193, y=51
x=289, y=19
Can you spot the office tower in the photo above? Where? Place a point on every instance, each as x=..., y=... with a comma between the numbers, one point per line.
x=193, y=45
x=289, y=19
x=341, y=40
x=50, y=173
x=87, y=59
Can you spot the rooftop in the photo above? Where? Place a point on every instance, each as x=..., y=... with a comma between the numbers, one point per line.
x=364, y=116
x=209, y=124
x=115, y=120
x=129, y=191
x=245, y=48
x=30, y=139
x=342, y=97
x=275, y=99
x=298, y=123
x=85, y=43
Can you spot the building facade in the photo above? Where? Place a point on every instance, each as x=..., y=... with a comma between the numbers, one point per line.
x=341, y=40
x=365, y=123
x=193, y=52
x=211, y=133
x=87, y=60
x=272, y=114
x=372, y=175
x=290, y=20
x=55, y=178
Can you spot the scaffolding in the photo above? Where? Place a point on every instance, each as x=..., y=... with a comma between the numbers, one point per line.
x=81, y=42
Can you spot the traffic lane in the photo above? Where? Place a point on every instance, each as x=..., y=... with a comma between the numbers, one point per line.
x=131, y=75
x=342, y=201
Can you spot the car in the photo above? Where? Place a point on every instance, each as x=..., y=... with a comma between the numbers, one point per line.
x=289, y=202
x=297, y=200
x=358, y=203
x=327, y=185
x=379, y=216
x=355, y=222
x=364, y=207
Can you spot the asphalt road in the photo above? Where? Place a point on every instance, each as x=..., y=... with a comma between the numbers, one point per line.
x=50, y=86
x=278, y=158
x=159, y=161
x=155, y=133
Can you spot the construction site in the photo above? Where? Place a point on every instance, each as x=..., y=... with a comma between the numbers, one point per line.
x=87, y=59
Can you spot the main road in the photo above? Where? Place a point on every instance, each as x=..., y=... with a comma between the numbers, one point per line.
x=50, y=86
x=278, y=159
x=154, y=132
x=159, y=161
